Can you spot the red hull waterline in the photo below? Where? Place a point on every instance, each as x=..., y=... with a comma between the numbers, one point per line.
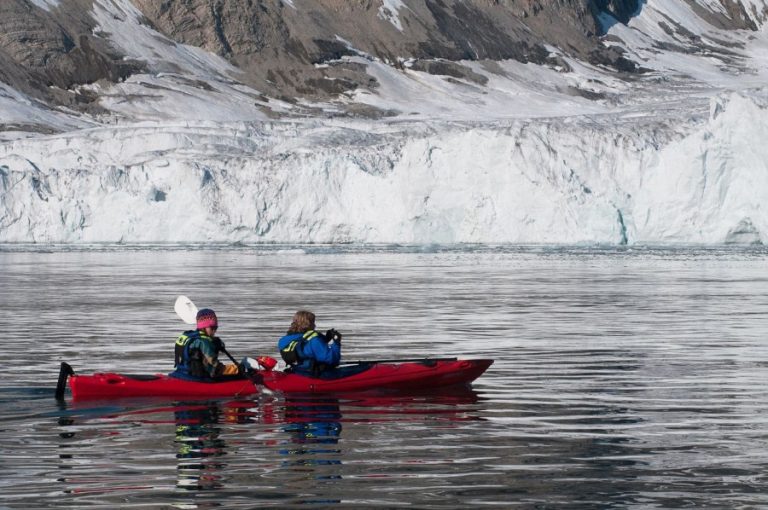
x=410, y=376
x=111, y=385
x=384, y=376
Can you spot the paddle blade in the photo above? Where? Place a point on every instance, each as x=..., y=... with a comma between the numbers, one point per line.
x=186, y=309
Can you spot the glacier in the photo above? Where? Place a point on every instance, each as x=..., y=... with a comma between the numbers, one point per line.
x=679, y=157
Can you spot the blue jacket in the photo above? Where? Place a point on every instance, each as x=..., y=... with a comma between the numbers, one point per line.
x=313, y=352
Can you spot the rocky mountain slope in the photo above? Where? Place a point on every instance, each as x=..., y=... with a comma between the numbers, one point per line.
x=301, y=50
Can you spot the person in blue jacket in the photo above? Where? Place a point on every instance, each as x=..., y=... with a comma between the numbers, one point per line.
x=307, y=351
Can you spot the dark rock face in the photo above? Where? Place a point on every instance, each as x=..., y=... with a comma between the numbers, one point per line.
x=280, y=46
x=622, y=10
x=41, y=49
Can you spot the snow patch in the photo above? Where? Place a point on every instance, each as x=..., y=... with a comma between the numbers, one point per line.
x=186, y=82
x=122, y=21
x=390, y=11
x=523, y=91
x=46, y=4
x=21, y=116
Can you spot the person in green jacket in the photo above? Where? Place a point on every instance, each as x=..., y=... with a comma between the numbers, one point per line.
x=197, y=351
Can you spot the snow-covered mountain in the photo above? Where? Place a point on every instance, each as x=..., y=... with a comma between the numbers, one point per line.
x=410, y=121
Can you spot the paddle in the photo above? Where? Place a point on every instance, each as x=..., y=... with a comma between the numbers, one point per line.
x=187, y=311
x=401, y=360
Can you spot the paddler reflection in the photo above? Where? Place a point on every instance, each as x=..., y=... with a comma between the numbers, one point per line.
x=312, y=428
x=307, y=430
x=200, y=446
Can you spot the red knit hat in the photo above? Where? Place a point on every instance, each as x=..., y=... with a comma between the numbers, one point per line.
x=206, y=318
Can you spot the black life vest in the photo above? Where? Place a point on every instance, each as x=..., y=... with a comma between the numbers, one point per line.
x=188, y=360
x=292, y=352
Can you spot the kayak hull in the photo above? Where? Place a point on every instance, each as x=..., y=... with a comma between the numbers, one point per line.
x=112, y=385
x=410, y=376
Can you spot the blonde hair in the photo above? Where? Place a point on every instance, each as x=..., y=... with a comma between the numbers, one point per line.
x=302, y=321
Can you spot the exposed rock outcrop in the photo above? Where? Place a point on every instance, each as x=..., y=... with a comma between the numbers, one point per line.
x=281, y=46
x=45, y=53
x=289, y=49
x=744, y=232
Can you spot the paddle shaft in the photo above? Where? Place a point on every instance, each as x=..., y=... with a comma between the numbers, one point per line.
x=222, y=349
x=401, y=360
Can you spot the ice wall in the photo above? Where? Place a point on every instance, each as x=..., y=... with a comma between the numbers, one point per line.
x=594, y=179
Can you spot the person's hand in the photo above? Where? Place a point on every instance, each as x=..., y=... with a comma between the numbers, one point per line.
x=230, y=369
x=334, y=335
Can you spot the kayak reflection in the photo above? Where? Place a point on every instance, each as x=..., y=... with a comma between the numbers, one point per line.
x=313, y=423
x=211, y=446
x=308, y=429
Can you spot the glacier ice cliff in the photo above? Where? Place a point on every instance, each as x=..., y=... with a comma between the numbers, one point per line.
x=135, y=122
x=613, y=178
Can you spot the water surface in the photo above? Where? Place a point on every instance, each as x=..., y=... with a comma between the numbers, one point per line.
x=623, y=379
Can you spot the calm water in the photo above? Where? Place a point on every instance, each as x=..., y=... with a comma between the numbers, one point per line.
x=623, y=379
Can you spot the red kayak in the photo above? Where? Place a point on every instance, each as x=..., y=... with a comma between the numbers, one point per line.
x=417, y=375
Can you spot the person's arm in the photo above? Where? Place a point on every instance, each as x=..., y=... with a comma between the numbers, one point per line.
x=328, y=353
x=223, y=368
x=211, y=362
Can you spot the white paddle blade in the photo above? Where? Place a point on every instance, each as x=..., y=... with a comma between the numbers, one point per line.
x=186, y=309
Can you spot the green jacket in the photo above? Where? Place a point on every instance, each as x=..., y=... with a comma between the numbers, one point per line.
x=197, y=356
